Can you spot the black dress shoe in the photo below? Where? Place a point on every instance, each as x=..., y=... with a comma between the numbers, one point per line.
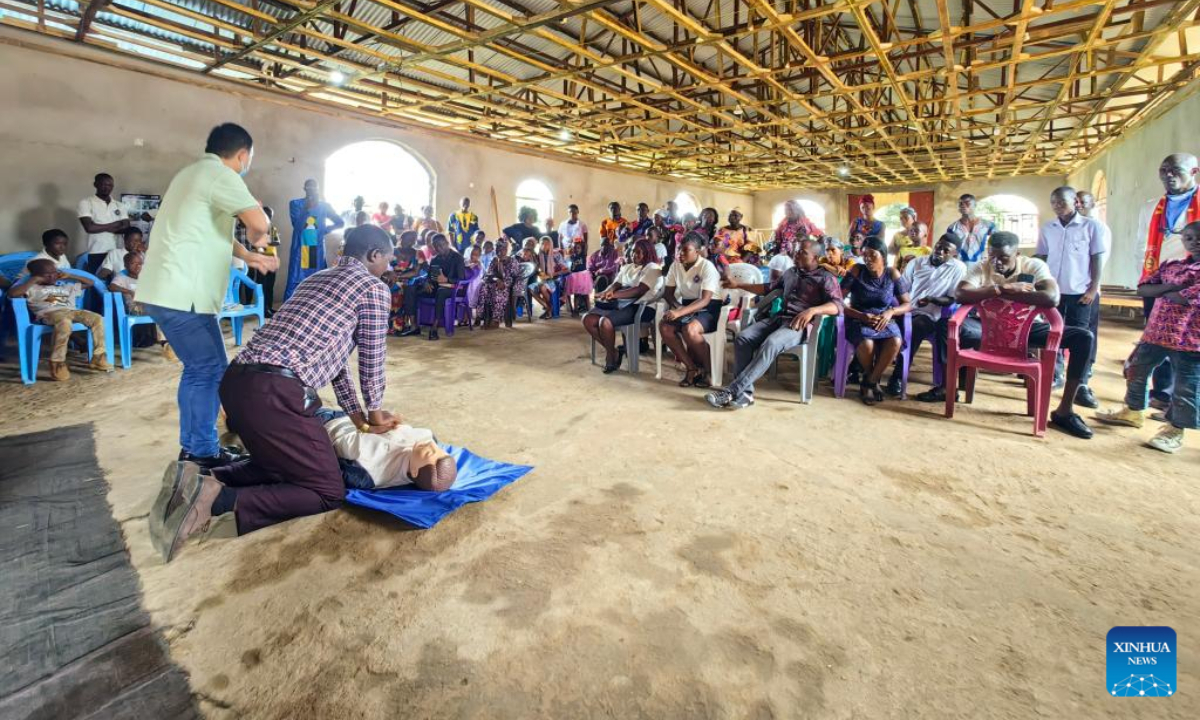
x=221, y=459
x=894, y=387
x=932, y=395
x=410, y=332
x=1085, y=397
x=433, y=335
x=1072, y=425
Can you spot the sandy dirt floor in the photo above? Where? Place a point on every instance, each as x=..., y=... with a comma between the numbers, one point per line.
x=666, y=560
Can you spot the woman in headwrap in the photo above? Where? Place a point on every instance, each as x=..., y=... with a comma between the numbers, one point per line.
x=495, y=297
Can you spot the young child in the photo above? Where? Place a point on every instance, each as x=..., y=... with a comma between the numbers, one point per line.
x=53, y=303
x=1172, y=333
x=405, y=267
x=114, y=261
x=125, y=283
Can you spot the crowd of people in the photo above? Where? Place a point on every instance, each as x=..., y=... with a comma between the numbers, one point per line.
x=353, y=279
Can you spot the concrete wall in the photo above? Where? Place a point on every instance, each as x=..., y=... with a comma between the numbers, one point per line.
x=945, y=199
x=73, y=118
x=1130, y=167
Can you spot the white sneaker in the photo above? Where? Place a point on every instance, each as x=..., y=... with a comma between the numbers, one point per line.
x=1168, y=440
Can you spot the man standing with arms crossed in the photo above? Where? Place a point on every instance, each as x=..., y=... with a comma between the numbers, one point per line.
x=186, y=273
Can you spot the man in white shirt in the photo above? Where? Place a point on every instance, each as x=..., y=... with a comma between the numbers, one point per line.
x=1073, y=247
x=102, y=216
x=571, y=230
x=1006, y=273
x=932, y=280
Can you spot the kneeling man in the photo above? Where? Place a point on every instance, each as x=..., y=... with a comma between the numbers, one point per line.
x=269, y=393
x=808, y=291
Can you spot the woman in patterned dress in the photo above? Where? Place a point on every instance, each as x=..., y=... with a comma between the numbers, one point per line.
x=496, y=294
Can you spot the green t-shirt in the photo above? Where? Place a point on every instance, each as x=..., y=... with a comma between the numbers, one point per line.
x=191, y=249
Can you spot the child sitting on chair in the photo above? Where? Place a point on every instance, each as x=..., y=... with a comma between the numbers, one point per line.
x=125, y=283
x=53, y=303
x=135, y=242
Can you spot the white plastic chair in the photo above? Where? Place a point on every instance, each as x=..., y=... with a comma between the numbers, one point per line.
x=806, y=356
x=716, y=344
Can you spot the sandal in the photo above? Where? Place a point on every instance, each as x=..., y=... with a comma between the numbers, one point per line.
x=864, y=394
x=877, y=392
x=688, y=379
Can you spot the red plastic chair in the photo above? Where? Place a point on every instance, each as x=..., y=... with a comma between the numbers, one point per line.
x=1005, y=348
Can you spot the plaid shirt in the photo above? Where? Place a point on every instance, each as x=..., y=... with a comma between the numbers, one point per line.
x=319, y=326
x=1173, y=325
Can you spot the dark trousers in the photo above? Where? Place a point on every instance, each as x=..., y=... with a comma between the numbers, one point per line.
x=925, y=328
x=1184, y=411
x=267, y=280
x=1163, y=376
x=1075, y=314
x=293, y=470
x=440, y=296
x=1076, y=339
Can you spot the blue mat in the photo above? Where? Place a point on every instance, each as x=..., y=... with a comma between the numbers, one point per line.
x=478, y=479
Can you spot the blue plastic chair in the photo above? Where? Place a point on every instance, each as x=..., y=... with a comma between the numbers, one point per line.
x=240, y=312
x=11, y=266
x=29, y=333
x=125, y=324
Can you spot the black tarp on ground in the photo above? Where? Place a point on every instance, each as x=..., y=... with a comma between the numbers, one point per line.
x=74, y=639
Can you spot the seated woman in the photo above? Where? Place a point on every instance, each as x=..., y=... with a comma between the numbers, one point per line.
x=475, y=270
x=878, y=294
x=637, y=282
x=550, y=270
x=604, y=264
x=835, y=260
x=405, y=267
x=693, y=295
x=499, y=284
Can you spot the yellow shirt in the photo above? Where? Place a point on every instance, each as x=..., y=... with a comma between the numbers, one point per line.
x=187, y=265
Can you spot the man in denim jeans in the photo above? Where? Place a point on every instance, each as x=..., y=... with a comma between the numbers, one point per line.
x=186, y=274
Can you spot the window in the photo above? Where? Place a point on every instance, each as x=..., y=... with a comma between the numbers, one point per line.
x=1100, y=192
x=380, y=171
x=685, y=203
x=1012, y=213
x=812, y=211
x=889, y=215
x=536, y=194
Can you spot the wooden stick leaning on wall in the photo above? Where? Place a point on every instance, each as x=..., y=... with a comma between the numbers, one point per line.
x=496, y=213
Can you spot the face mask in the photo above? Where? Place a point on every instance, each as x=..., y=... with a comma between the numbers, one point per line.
x=245, y=169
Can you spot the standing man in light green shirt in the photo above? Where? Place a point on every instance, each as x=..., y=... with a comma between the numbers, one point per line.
x=186, y=274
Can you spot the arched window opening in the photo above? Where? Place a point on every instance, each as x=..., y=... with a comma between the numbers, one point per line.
x=535, y=194
x=685, y=203
x=812, y=211
x=1012, y=213
x=379, y=171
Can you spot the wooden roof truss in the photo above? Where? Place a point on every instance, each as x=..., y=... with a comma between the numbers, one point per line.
x=746, y=94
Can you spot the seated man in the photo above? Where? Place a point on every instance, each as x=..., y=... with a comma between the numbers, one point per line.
x=446, y=270
x=933, y=280
x=808, y=292
x=1006, y=273
x=1172, y=333
x=52, y=302
x=405, y=455
x=270, y=397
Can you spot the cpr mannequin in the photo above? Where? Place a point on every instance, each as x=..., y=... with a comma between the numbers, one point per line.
x=404, y=456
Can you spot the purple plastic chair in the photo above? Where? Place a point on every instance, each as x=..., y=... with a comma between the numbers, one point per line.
x=451, y=308
x=845, y=353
